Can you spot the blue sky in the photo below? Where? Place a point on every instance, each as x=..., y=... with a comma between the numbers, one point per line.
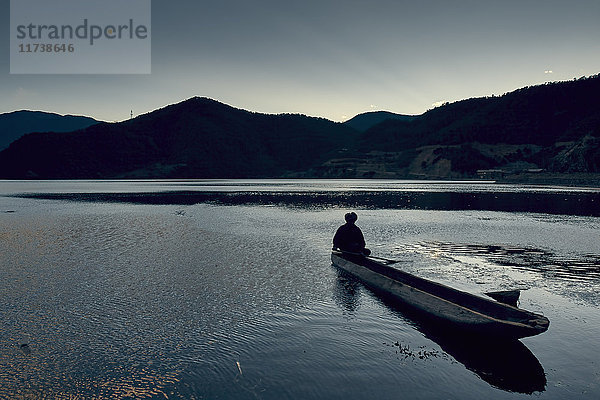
x=332, y=59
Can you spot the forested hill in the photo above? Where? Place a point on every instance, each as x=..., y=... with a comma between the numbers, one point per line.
x=15, y=124
x=364, y=121
x=199, y=137
x=542, y=115
x=553, y=127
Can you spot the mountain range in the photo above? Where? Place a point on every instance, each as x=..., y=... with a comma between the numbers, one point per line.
x=15, y=124
x=553, y=127
x=199, y=137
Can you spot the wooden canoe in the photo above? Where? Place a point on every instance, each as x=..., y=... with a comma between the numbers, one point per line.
x=442, y=303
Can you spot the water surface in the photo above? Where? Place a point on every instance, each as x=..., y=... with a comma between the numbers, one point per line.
x=225, y=289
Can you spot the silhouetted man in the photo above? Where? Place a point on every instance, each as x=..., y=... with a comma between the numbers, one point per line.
x=349, y=237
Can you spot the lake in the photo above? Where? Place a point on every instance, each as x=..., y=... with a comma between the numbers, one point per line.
x=224, y=289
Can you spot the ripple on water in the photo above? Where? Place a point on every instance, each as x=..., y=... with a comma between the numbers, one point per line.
x=515, y=267
x=118, y=301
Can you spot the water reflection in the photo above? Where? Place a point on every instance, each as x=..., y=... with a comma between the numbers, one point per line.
x=585, y=267
x=559, y=202
x=505, y=364
x=346, y=292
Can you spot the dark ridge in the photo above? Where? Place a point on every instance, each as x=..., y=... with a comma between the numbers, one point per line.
x=15, y=124
x=554, y=128
x=363, y=122
x=196, y=138
x=540, y=115
x=582, y=204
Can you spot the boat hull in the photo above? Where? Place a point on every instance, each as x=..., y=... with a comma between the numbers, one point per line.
x=442, y=303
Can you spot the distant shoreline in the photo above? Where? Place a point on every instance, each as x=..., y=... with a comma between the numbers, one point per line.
x=554, y=179
x=582, y=180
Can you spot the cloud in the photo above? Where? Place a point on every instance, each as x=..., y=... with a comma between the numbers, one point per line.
x=548, y=71
x=438, y=103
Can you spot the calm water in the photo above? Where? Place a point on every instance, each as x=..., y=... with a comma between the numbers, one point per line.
x=225, y=290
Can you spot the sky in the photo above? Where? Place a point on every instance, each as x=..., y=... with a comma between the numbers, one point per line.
x=331, y=59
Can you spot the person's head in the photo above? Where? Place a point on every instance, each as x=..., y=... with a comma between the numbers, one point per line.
x=351, y=217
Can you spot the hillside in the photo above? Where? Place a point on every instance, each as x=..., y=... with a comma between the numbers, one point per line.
x=15, y=124
x=551, y=128
x=540, y=115
x=554, y=127
x=196, y=138
x=365, y=121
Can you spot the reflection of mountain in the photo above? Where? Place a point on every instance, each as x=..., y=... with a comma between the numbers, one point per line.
x=551, y=203
x=508, y=365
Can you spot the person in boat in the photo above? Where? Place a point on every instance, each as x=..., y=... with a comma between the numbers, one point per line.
x=349, y=238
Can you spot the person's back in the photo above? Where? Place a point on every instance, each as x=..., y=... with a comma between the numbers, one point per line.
x=349, y=237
